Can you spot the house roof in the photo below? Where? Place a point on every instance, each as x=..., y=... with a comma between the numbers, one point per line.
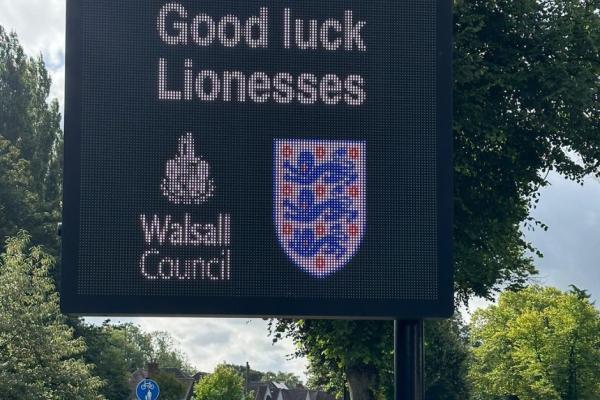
x=256, y=385
x=199, y=375
x=261, y=388
x=179, y=374
x=321, y=396
x=294, y=394
x=260, y=392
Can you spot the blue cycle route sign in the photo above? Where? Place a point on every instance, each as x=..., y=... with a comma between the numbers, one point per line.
x=147, y=389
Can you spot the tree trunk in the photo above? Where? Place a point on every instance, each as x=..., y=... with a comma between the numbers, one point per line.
x=362, y=382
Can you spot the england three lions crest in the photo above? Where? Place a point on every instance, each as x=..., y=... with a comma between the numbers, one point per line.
x=319, y=202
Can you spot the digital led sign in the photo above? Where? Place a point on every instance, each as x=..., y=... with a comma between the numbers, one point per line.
x=258, y=158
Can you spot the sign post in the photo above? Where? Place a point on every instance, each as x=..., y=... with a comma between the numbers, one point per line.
x=408, y=359
x=147, y=389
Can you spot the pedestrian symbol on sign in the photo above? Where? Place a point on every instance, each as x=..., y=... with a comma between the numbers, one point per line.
x=147, y=389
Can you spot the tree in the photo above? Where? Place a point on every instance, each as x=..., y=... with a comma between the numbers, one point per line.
x=327, y=380
x=31, y=146
x=164, y=352
x=290, y=379
x=115, y=351
x=526, y=102
x=170, y=387
x=30, y=139
x=18, y=199
x=537, y=343
x=38, y=354
x=223, y=384
x=358, y=350
x=245, y=370
x=446, y=360
x=526, y=99
x=446, y=356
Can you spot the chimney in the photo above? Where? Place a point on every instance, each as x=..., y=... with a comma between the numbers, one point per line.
x=152, y=369
x=246, y=378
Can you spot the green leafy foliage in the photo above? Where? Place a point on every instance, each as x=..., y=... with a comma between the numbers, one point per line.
x=538, y=343
x=170, y=387
x=356, y=350
x=30, y=147
x=116, y=350
x=165, y=353
x=327, y=380
x=290, y=379
x=39, y=357
x=225, y=383
x=446, y=360
x=253, y=375
x=335, y=360
x=526, y=102
x=18, y=199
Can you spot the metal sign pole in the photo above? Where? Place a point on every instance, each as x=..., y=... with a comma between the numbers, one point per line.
x=408, y=359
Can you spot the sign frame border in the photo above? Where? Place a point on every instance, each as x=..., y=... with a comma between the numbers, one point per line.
x=220, y=306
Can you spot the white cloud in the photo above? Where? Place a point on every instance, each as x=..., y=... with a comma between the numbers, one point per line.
x=57, y=90
x=474, y=304
x=40, y=26
x=571, y=244
x=210, y=341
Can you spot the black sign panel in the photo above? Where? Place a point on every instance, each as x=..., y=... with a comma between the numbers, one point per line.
x=267, y=158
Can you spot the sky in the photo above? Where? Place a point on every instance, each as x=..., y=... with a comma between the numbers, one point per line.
x=571, y=246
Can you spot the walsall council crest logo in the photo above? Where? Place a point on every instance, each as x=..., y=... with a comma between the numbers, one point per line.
x=319, y=202
x=187, y=177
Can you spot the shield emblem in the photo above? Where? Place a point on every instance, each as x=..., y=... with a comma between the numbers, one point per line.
x=319, y=202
